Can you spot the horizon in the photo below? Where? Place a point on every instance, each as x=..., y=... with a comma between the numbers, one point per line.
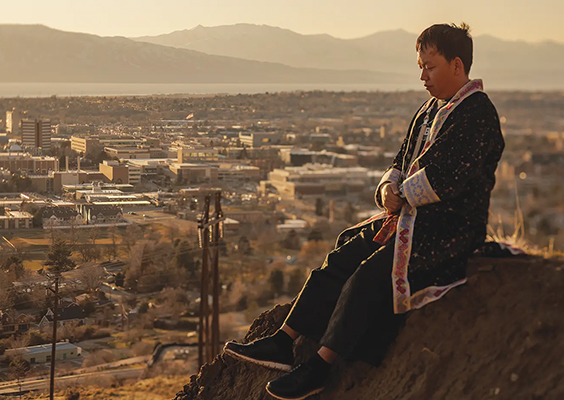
x=474, y=36
x=522, y=20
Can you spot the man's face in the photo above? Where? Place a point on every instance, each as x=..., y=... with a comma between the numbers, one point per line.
x=439, y=75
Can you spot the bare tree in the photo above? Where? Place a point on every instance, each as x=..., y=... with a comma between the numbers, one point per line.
x=91, y=277
x=132, y=234
x=18, y=369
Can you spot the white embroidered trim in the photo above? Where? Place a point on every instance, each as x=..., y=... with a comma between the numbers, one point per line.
x=418, y=191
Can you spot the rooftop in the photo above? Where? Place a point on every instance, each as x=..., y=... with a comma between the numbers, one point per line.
x=42, y=348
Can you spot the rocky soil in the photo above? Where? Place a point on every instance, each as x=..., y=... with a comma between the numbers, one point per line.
x=501, y=336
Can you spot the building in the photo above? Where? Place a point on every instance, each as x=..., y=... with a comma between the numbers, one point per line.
x=36, y=134
x=15, y=219
x=134, y=173
x=319, y=180
x=300, y=157
x=85, y=145
x=190, y=154
x=186, y=173
x=147, y=167
x=72, y=314
x=13, y=120
x=60, y=216
x=42, y=353
x=258, y=139
x=100, y=214
x=29, y=164
x=95, y=143
x=115, y=172
x=127, y=152
x=11, y=324
x=70, y=178
x=91, y=186
x=236, y=173
x=41, y=183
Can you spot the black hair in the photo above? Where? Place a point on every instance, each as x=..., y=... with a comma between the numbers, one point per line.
x=451, y=41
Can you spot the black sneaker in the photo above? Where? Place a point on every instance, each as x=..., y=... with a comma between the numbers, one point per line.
x=265, y=352
x=298, y=384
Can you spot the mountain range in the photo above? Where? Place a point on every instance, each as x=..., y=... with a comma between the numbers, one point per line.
x=245, y=53
x=40, y=54
x=506, y=64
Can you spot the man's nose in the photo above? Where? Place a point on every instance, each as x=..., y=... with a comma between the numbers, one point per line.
x=424, y=75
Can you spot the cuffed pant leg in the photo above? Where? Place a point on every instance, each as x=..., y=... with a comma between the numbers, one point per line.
x=316, y=301
x=366, y=296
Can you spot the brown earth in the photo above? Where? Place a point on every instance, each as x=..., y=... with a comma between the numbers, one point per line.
x=501, y=336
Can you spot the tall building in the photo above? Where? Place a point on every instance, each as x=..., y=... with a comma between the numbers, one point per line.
x=13, y=118
x=36, y=134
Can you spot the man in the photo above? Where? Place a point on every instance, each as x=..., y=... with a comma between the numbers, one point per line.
x=436, y=195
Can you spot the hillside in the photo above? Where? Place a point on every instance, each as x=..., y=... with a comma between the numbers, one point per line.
x=498, y=337
x=35, y=53
x=503, y=64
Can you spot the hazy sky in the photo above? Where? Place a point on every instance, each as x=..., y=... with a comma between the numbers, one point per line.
x=530, y=20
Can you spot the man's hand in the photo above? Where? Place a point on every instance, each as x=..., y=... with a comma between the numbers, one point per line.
x=390, y=197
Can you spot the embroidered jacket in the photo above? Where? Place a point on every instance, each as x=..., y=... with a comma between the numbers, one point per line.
x=447, y=188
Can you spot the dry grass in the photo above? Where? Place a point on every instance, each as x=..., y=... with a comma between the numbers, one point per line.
x=160, y=388
x=517, y=238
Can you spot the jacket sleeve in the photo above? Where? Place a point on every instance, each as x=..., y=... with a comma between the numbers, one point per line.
x=455, y=157
x=393, y=173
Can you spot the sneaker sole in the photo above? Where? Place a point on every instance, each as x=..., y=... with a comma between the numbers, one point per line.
x=316, y=391
x=267, y=364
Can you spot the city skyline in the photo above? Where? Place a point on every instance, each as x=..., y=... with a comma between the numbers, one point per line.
x=522, y=20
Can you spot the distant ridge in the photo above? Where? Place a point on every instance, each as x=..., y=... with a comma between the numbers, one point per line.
x=505, y=64
x=35, y=53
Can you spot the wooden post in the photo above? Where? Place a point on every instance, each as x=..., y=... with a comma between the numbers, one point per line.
x=203, y=325
x=54, y=339
x=208, y=339
x=215, y=273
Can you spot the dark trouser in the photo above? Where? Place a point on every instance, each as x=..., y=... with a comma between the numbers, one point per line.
x=346, y=304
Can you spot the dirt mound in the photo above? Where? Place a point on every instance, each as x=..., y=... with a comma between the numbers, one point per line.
x=501, y=336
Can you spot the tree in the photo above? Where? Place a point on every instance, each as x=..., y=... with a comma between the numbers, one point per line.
x=276, y=281
x=59, y=257
x=184, y=257
x=296, y=281
x=319, y=204
x=313, y=253
x=292, y=240
x=18, y=369
x=91, y=277
x=132, y=234
x=14, y=264
x=315, y=235
x=244, y=246
x=348, y=212
x=111, y=250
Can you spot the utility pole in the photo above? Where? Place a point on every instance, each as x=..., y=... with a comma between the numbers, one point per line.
x=54, y=338
x=217, y=233
x=208, y=341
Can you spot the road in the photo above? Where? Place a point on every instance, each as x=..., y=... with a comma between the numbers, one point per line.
x=40, y=384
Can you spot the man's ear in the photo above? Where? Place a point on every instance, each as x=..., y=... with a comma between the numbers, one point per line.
x=458, y=66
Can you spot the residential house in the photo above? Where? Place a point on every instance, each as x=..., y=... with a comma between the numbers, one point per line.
x=66, y=315
x=11, y=324
x=60, y=216
x=100, y=214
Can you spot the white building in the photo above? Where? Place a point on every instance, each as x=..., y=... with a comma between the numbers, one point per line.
x=13, y=119
x=42, y=353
